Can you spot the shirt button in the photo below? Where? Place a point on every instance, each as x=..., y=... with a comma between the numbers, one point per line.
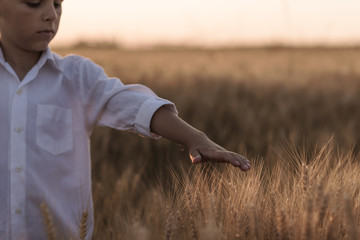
x=19, y=129
x=18, y=211
x=18, y=169
x=19, y=92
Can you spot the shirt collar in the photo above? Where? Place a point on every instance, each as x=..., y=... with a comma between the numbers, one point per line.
x=46, y=55
x=2, y=58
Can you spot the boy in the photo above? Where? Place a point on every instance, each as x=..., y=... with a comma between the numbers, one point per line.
x=49, y=106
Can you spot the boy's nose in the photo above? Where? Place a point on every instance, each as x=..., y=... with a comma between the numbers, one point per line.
x=50, y=13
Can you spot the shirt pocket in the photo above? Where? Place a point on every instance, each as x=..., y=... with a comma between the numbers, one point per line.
x=54, y=129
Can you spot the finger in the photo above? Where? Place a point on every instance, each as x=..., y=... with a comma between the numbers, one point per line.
x=235, y=159
x=245, y=167
x=220, y=156
x=195, y=156
x=243, y=162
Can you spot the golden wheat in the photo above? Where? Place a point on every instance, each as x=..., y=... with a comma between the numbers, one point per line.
x=83, y=229
x=253, y=101
x=49, y=222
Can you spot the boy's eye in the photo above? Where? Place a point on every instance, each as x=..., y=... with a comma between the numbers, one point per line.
x=37, y=4
x=32, y=5
x=57, y=5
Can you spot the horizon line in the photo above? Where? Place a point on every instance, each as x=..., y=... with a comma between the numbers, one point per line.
x=109, y=44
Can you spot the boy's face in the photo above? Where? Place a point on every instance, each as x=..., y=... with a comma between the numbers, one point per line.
x=29, y=25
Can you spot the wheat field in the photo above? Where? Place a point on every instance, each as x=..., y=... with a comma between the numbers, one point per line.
x=294, y=112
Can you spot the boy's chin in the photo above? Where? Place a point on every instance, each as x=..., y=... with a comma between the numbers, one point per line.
x=40, y=47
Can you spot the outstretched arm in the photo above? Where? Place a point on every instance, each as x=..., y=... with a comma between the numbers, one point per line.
x=201, y=148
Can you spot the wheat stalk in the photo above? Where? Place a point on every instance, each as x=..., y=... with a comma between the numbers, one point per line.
x=283, y=225
x=308, y=234
x=194, y=233
x=322, y=210
x=255, y=222
x=330, y=235
x=305, y=177
x=180, y=220
x=353, y=232
x=169, y=225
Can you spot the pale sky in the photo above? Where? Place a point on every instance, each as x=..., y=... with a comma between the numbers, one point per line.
x=211, y=22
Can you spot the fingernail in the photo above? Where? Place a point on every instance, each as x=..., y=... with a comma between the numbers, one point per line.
x=244, y=167
x=196, y=159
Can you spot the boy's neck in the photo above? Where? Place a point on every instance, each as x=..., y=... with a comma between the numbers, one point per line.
x=20, y=60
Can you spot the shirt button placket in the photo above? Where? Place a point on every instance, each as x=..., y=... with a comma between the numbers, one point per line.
x=17, y=163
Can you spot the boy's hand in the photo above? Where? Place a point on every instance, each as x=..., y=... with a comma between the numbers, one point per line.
x=206, y=150
x=170, y=126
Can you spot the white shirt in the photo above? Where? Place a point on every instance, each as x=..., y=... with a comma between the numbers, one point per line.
x=45, y=124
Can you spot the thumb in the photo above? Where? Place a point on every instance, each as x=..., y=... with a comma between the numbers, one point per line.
x=195, y=156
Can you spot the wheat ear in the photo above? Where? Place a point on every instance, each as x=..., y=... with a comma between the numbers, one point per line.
x=83, y=225
x=49, y=222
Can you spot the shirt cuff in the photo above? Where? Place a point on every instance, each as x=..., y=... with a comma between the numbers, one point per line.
x=146, y=112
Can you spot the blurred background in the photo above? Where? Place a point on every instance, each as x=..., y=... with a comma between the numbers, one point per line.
x=211, y=23
x=255, y=76
x=275, y=80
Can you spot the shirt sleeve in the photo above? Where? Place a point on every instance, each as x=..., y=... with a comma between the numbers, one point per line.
x=124, y=107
